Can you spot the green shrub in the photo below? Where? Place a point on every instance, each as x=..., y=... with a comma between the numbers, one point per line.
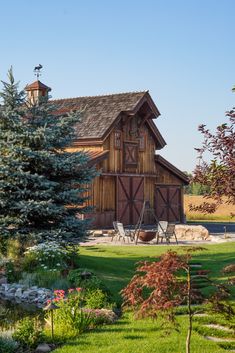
x=96, y=299
x=70, y=316
x=15, y=249
x=28, y=334
x=45, y=279
x=7, y=345
x=28, y=279
x=60, y=282
x=92, y=282
x=8, y=267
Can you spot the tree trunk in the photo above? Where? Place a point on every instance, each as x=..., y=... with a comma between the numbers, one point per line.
x=188, y=340
x=190, y=315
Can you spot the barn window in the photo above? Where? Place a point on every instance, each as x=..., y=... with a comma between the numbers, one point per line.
x=142, y=141
x=131, y=154
x=118, y=139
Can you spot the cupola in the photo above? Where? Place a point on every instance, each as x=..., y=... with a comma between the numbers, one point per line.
x=37, y=92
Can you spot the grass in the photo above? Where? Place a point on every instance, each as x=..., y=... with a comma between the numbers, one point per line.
x=222, y=214
x=116, y=265
x=139, y=336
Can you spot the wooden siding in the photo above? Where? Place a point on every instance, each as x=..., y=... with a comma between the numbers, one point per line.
x=115, y=163
x=164, y=176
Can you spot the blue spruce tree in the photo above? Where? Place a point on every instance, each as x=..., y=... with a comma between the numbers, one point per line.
x=42, y=186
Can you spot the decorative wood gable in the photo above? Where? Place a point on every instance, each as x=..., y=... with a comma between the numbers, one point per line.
x=101, y=115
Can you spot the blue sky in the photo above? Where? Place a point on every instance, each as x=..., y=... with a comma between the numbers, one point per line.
x=182, y=51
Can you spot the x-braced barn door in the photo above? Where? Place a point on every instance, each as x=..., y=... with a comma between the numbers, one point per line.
x=168, y=203
x=130, y=198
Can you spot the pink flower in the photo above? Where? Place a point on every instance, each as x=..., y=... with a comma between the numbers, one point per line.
x=71, y=290
x=59, y=293
x=48, y=301
x=78, y=289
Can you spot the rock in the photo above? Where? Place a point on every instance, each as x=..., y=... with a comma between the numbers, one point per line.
x=97, y=233
x=32, y=293
x=43, y=348
x=229, y=268
x=18, y=292
x=3, y=280
x=12, y=290
x=191, y=232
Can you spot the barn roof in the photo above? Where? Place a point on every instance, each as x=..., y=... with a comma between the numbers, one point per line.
x=97, y=156
x=101, y=112
x=171, y=168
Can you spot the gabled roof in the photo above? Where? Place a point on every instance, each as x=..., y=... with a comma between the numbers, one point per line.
x=171, y=168
x=97, y=156
x=102, y=112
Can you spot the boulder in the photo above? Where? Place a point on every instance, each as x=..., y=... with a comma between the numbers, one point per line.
x=18, y=293
x=43, y=348
x=191, y=232
x=3, y=280
x=97, y=233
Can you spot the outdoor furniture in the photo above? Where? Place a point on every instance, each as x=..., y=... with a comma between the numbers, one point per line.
x=166, y=232
x=121, y=233
x=161, y=229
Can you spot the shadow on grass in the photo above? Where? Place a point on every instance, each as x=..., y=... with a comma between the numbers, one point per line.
x=134, y=337
x=119, y=266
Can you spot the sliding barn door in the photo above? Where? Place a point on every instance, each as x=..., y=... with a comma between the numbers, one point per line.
x=130, y=198
x=168, y=203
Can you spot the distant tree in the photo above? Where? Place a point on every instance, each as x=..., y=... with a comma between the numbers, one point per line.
x=219, y=173
x=42, y=186
x=194, y=188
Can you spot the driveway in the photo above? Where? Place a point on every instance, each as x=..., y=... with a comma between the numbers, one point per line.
x=217, y=227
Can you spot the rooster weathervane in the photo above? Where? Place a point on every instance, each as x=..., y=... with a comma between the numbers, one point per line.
x=37, y=70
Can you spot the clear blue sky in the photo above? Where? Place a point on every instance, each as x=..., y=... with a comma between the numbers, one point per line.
x=181, y=50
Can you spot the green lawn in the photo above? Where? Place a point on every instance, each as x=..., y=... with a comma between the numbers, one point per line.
x=116, y=265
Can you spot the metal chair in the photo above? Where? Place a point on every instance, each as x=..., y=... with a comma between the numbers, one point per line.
x=121, y=233
x=167, y=232
x=170, y=232
x=161, y=229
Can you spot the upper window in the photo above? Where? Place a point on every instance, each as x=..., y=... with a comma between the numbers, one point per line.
x=118, y=139
x=131, y=154
x=142, y=141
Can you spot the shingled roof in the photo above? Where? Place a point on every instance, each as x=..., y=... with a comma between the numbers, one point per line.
x=100, y=112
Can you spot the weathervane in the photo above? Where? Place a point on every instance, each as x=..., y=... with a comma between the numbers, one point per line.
x=37, y=70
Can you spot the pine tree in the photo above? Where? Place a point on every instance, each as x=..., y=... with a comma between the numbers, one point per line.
x=42, y=186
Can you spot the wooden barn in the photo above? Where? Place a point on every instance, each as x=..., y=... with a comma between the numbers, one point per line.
x=119, y=133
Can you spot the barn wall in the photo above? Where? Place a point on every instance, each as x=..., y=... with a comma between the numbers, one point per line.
x=164, y=176
x=115, y=163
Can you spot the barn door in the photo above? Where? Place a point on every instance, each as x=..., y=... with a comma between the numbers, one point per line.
x=130, y=198
x=168, y=203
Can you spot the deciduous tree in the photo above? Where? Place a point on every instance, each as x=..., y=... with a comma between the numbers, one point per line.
x=219, y=173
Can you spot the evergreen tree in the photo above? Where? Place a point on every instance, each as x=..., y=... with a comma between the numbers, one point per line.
x=42, y=186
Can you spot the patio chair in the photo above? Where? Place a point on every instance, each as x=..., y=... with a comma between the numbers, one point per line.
x=121, y=233
x=161, y=229
x=168, y=233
